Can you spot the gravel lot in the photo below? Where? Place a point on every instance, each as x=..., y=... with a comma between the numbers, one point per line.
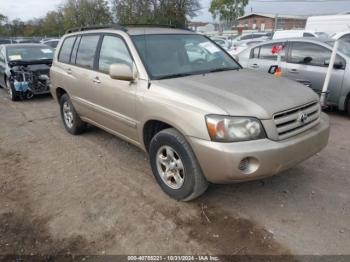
x=95, y=194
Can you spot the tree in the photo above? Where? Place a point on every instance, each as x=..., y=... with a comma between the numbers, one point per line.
x=2, y=19
x=227, y=10
x=4, y=26
x=78, y=13
x=167, y=12
x=132, y=11
x=53, y=24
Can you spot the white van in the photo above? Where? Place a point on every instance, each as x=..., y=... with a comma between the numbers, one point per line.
x=293, y=34
x=329, y=24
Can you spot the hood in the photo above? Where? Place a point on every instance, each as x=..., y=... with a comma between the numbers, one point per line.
x=243, y=93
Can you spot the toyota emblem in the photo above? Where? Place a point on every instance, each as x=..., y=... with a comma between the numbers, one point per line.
x=303, y=117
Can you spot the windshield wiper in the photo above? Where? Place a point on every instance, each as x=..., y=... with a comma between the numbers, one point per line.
x=223, y=69
x=174, y=76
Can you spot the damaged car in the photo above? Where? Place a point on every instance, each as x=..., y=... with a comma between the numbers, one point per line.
x=24, y=69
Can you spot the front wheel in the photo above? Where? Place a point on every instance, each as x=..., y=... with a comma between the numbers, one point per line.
x=175, y=166
x=71, y=120
x=11, y=91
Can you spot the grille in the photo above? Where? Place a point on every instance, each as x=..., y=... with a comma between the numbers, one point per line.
x=297, y=120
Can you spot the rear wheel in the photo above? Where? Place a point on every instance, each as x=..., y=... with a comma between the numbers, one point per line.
x=175, y=166
x=11, y=91
x=71, y=120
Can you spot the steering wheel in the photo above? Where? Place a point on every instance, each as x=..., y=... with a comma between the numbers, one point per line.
x=199, y=61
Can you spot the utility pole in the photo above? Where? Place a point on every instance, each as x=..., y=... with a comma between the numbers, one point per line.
x=324, y=93
x=276, y=23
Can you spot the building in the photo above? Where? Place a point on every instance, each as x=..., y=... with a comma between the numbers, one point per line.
x=266, y=22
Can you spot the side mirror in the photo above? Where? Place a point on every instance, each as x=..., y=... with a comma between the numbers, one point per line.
x=121, y=72
x=337, y=64
x=307, y=60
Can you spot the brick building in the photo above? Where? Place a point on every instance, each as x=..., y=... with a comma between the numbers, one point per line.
x=266, y=22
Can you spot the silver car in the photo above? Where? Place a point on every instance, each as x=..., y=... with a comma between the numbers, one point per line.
x=306, y=60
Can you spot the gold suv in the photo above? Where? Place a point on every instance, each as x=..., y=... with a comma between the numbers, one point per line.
x=187, y=103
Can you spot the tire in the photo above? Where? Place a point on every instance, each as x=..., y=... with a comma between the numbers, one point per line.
x=183, y=184
x=71, y=120
x=13, y=95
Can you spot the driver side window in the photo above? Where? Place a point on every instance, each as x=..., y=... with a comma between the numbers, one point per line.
x=113, y=51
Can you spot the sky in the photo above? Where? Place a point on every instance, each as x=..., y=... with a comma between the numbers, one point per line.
x=28, y=9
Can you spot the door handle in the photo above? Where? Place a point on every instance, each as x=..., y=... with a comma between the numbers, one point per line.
x=96, y=80
x=69, y=71
x=294, y=71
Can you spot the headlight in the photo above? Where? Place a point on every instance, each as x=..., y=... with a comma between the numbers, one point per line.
x=234, y=129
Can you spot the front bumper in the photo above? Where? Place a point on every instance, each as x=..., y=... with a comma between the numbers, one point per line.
x=221, y=162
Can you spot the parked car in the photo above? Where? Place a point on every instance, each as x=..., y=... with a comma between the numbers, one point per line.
x=251, y=36
x=240, y=46
x=5, y=41
x=26, y=41
x=198, y=120
x=51, y=43
x=306, y=60
x=24, y=69
x=344, y=36
x=297, y=33
x=225, y=44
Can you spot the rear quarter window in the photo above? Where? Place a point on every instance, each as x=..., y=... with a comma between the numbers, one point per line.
x=66, y=50
x=255, y=52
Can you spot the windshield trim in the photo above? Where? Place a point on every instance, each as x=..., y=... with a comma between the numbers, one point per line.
x=151, y=77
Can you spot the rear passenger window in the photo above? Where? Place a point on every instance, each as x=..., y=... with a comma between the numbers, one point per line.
x=267, y=54
x=113, y=51
x=66, y=50
x=87, y=50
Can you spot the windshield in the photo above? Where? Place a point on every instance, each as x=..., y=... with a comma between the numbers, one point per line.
x=168, y=56
x=344, y=47
x=29, y=53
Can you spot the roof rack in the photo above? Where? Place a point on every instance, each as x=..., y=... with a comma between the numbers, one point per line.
x=120, y=27
x=95, y=27
x=156, y=25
